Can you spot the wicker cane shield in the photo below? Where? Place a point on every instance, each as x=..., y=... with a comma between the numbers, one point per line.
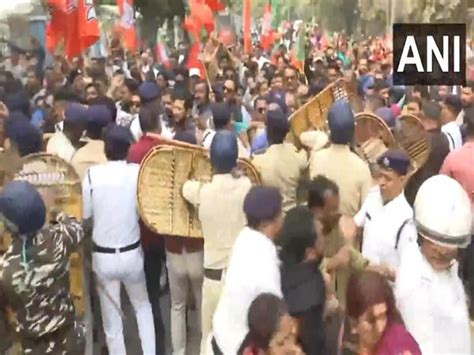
x=411, y=136
x=313, y=114
x=60, y=187
x=372, y=137
x=162, y=175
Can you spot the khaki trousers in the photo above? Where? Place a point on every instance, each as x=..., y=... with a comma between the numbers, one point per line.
x=211, y=292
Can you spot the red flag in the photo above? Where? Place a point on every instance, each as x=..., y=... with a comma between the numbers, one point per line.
x=194, y=62
x=56, y=28
x=127, y=24
x=202, y=16
x=247, y=27
x=75, y=22
x=215, y=5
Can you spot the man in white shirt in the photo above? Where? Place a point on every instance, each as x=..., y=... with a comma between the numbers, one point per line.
x=63, y=143
x=386, y=216
x=253, y=269
x=428, y=290
x=452, y=107
x=109, y=195
x=220, y=206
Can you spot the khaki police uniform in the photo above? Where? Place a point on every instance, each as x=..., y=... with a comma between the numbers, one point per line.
x=282, y=167
x=220, y=205
x=91, y=154
x=347, y=170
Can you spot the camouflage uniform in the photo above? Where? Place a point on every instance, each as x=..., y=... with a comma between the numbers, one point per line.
x=38, y=289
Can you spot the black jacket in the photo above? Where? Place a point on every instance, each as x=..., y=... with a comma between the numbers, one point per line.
x=305, y=294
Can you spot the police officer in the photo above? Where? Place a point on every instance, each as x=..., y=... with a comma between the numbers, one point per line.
x=339, y=164
x=22, y=138
x=98, y=117
x=34, y=272
x=281, y=166
x=222, y=218
x=386, y=216
x=117, y=252
x=63, y=143
x=428, y=290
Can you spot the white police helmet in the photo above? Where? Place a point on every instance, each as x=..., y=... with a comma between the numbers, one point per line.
x=443, y=212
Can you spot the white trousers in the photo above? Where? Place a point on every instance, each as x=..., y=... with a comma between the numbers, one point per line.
x=112, y=270
x=184, y=269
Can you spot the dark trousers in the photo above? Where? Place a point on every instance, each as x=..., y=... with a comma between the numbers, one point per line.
x=153, y=264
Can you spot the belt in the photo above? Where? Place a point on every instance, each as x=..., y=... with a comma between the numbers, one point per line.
x=213, y=274
x=98, y=249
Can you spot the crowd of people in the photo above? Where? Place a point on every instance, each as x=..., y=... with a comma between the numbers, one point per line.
x=329, y=255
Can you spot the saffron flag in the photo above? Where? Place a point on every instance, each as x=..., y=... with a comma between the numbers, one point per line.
x=56, y=28
x=75, y=22
x=215, y=5
x=127, y=24
x=247, y=27
x=202, y=16
x=194, y=60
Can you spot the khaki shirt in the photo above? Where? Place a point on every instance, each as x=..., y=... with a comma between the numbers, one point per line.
x=333, y=242
x=61, y=146
x=282, y=166
x=91, y=154
x=347, y=170
x=221, y=213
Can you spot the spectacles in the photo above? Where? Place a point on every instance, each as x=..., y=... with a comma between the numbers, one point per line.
x=261, y=109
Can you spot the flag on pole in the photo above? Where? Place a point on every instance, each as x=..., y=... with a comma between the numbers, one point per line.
x=194, y=59
x=127, y=24
x=300, y=47
x=75, y=23
x=298, y=52
x=247, y=27
x=267, y=34
x=161, y=48
x=215, y=5
x=56, y=28
x=202, y=16
x=276, y=14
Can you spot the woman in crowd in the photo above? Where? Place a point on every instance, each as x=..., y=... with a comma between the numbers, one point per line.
x=271, y=329
x=302, y=282
x=375, y=319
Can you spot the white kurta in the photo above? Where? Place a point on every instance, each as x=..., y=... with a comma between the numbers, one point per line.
x=433, y=305
x=382, y=224
x=253, y=269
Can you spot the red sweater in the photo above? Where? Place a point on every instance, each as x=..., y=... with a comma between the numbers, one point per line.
x=149, y=239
